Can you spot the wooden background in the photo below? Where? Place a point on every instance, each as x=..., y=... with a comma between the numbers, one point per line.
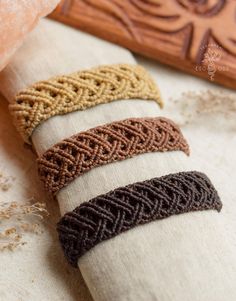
x=195, y=36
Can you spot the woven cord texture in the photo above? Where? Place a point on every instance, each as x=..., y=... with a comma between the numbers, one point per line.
x=79, y=91
x=104, y=144
x=121, y=209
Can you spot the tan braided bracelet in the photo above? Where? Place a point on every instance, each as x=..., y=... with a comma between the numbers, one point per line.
x=120, y=210
x=105, y=144
x=80, y=91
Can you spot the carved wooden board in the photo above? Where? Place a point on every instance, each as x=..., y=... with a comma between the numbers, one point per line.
x=195, y=36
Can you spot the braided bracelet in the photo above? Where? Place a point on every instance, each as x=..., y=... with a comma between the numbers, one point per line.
x=122, y=209
x=79, y=91
x=104, y=144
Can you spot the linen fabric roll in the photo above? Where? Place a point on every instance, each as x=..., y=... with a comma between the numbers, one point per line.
x=184, y=257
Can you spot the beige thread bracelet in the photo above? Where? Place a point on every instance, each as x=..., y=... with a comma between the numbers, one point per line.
x=80, y=91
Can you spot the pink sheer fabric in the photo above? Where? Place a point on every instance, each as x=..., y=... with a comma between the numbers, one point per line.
x=17, y=18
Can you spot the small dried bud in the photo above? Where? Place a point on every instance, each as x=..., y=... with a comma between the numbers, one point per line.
x=23, y=218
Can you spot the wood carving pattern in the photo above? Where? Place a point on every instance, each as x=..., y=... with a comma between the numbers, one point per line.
x=176, y=32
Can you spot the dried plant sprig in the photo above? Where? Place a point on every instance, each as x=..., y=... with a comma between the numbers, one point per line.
x=8, y=210
x=20, y=218
x=192, y=105
x=10, y=239
x=5, y=182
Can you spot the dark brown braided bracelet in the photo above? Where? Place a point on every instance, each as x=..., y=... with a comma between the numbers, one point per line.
x=104, y=144
x=117, y=211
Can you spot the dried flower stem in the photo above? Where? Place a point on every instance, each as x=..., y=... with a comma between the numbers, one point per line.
x=22, y=218
x=192, y=105
x=5, y=182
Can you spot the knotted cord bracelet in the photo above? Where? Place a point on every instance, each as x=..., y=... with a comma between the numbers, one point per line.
x=104, y=144
x=122, y=209
x=80, y=91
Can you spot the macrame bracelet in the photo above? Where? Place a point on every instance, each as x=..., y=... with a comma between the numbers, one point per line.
x=104, y=144
x=80, y=91
x=124, y=208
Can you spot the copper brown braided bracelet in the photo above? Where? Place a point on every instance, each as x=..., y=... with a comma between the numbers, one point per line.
x=104, y=144
x=80, y=91
x=122, y=209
